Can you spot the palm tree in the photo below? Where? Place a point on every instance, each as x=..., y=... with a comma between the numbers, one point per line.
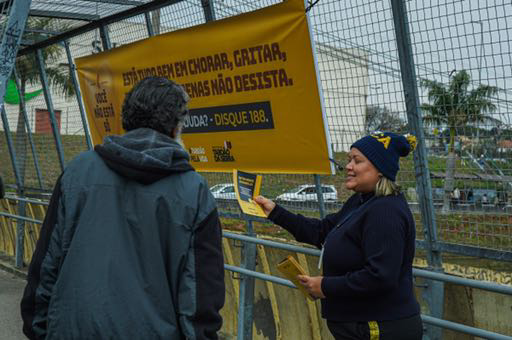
x=455, y=105
x=58, y=76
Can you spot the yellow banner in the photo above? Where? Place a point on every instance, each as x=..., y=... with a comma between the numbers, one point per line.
x=255, y=99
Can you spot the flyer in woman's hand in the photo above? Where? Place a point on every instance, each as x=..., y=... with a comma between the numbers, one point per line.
x=247, y=186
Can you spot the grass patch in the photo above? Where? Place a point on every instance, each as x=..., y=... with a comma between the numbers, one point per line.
x=483, y=230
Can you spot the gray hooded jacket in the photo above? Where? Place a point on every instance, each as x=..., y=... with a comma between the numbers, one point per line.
x=130, y=248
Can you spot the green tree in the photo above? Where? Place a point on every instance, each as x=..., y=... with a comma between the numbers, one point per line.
x=455, y=105
x=28, y=73
x=380, y=118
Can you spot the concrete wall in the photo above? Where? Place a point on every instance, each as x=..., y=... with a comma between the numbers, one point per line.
x=279, y=312
x=284, y=313
x=344, y=81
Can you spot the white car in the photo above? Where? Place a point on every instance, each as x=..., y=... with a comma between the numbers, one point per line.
x=224, y=191
x=307, y=193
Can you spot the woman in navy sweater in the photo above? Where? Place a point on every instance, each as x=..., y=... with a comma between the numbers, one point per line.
x=367, y=247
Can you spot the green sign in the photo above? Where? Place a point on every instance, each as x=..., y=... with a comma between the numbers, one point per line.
x=12, y=95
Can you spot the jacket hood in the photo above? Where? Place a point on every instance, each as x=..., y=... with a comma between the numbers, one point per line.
x=144, y=155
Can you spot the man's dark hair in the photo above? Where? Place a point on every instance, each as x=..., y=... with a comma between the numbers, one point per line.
x=156, y=103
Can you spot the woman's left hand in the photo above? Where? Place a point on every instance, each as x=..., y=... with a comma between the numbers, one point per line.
x=313, y=285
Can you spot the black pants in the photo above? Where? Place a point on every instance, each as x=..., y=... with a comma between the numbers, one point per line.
x=410, y=328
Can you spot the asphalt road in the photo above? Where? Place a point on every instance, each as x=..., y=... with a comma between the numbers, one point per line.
x=11, y=290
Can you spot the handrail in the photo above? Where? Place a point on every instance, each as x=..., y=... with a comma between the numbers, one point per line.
x=493, y=287
x=20, y=218
x=16, y=198
x=482, y=333
x=273, y=244
x=259, y=275
x=502, y=289
x=426, y=318
x=489, y=286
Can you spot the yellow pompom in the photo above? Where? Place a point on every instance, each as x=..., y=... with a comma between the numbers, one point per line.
x=412, y=141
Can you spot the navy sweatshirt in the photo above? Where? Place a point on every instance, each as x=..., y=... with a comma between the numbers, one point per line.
x=367, y=261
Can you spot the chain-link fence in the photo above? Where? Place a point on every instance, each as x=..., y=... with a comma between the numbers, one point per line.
x=461, y=53
x=441, y=69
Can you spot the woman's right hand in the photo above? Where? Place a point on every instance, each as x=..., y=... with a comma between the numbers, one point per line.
x=266, y=204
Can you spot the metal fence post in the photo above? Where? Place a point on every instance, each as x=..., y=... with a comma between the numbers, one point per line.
x=12, y=32
x=20, y=225
x=209, y=11
x=49, y=105
x=10, y=147
x=320, y=196
x=434, y=290
x=245, y=307
x=17, y=18
x=29, y=132
x=20, y=234
x=149, y=25
x=105, y=38
x=72, y=69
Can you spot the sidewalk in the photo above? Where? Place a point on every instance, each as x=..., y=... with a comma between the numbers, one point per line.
x=11, y=290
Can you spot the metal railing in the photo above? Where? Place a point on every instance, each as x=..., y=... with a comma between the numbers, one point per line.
x=248, y=276
x=502, y=289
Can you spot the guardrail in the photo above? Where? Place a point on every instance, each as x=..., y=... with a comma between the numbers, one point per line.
x=460, y=208
x=427, y=319
x=416, y=272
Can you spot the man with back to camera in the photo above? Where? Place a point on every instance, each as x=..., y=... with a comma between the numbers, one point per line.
x=130, y=247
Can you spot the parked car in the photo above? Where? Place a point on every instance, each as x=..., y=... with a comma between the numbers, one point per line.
x=224, y=191
x=307, y=193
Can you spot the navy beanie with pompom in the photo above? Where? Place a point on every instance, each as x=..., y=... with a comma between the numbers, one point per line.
x=384, y=150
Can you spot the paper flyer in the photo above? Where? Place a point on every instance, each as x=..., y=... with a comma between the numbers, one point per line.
x=291, y=268
x=247, y=186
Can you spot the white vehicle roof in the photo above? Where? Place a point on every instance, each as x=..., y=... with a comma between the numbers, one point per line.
x=220, y=186
x=302, y=186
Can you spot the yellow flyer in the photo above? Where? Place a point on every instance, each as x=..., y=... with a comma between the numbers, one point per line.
x=291, y=269
x=247, y=186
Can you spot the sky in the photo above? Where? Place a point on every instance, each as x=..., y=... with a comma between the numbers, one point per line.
x=446, y=36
